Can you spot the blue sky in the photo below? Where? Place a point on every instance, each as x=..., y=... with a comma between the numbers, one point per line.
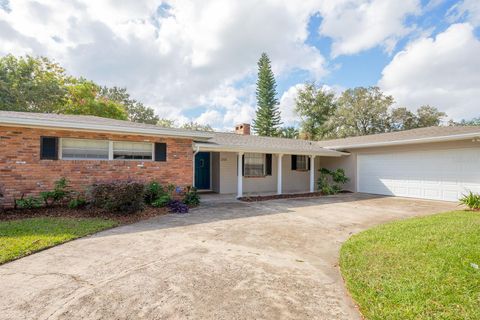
x=196, y=60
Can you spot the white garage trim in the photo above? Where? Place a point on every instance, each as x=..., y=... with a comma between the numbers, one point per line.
x=428, y=174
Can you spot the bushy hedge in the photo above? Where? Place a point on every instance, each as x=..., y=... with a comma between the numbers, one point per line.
x=117, y=196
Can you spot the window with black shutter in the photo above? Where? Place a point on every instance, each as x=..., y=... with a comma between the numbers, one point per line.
x=160, y=151
x=268, y=168
x=48, y=148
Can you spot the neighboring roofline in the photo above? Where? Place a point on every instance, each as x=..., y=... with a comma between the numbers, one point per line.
x=94, y=127
x=230, y=148
x=407, y=141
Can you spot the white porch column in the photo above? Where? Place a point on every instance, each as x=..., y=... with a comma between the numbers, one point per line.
x=279, y=173
x=312, y=173
x=239, y=175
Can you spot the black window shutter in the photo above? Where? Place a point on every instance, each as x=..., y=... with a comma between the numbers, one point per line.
x=160, y=151
x=308, y=162
x=294, y=162
x=48, y=148
x=268, y=165
x=243, y=165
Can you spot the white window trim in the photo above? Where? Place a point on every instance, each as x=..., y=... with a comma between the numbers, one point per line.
x=110, y=151
x=264, y=174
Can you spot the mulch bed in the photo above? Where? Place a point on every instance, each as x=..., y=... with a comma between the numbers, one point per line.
x=280, y=196
x=284, y=196
x=121, y=218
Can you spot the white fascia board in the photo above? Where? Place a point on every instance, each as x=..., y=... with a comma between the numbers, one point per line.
x=82, y=126
x=406, y=142
x=229, y=148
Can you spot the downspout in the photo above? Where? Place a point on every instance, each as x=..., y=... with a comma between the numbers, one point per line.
x=197, y=149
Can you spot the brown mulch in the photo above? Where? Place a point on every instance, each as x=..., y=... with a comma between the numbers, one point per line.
x=121, y=218
x=281, y=196
x=284, y=196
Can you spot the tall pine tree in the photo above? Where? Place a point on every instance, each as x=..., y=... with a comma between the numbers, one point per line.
x=267, y=121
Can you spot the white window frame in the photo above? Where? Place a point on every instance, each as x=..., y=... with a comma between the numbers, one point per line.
x=110, y=151
x=263, y=156
x=306, y=163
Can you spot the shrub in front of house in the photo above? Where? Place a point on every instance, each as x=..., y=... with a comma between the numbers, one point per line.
x=191, y=197
x=30, y=202
x=117, y=196
x=177, y=206
x=471, y=200
x=153, y=191
x=161, y=201
x=60, y=193
x=331, y=181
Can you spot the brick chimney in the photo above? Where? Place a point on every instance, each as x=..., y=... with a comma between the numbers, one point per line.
x=243, y=128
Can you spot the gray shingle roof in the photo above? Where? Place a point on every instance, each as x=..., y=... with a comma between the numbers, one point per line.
x=52, y=119
x=267, y=144
x=405, y=136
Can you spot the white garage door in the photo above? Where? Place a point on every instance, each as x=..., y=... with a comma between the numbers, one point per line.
x=439, y=174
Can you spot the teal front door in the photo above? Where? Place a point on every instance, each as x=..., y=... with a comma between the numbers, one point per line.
x=202, y=170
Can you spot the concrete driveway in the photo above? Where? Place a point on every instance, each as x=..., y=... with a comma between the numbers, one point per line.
x=225, y=260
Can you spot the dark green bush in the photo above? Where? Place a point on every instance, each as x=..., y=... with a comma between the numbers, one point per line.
x=59, y=193
x=118, y=196
x=77, y=203
x=331, y=181
x=153, y=191
x=191, y=197
x=28, y=203
x=162, y=201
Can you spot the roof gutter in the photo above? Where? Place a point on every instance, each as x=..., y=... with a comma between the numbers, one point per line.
x=409, y=141
x=83, y=126
x=230, y=148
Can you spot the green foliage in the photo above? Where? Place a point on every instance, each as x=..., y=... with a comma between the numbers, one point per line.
x=30, y=202
x=77, y=203
x=196, y=126
x=315, y=106
x=428, y=116
x=136, y=111
x=84, y=99
x=162, y=201
x=402, y=119
x=471, y=200
x=331, y=181
x=166, y=123
x=420, y=268
x=59, y=192
x=361, y=111
x=40, y=85
x=118, y=196
x=19, y=238
x=153, y=191
x=464, y=122
x=31, y=84
x=191, y=197
x=267, y=120
x=289, y=132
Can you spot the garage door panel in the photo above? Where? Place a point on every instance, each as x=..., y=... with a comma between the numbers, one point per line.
x=436, y=174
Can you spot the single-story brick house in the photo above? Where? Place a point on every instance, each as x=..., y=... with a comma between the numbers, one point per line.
x=37, y=149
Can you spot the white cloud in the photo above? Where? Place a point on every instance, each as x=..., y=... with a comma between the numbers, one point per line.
x=443, y=71
x=357, y=25
x=170, y=55
x=287, y=105
x=469, y=9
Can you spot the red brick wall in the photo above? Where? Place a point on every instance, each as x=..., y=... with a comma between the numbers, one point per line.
x=22, y=171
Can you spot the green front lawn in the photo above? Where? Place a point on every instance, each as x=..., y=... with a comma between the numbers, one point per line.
x=420, y=268
x=19, y=238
